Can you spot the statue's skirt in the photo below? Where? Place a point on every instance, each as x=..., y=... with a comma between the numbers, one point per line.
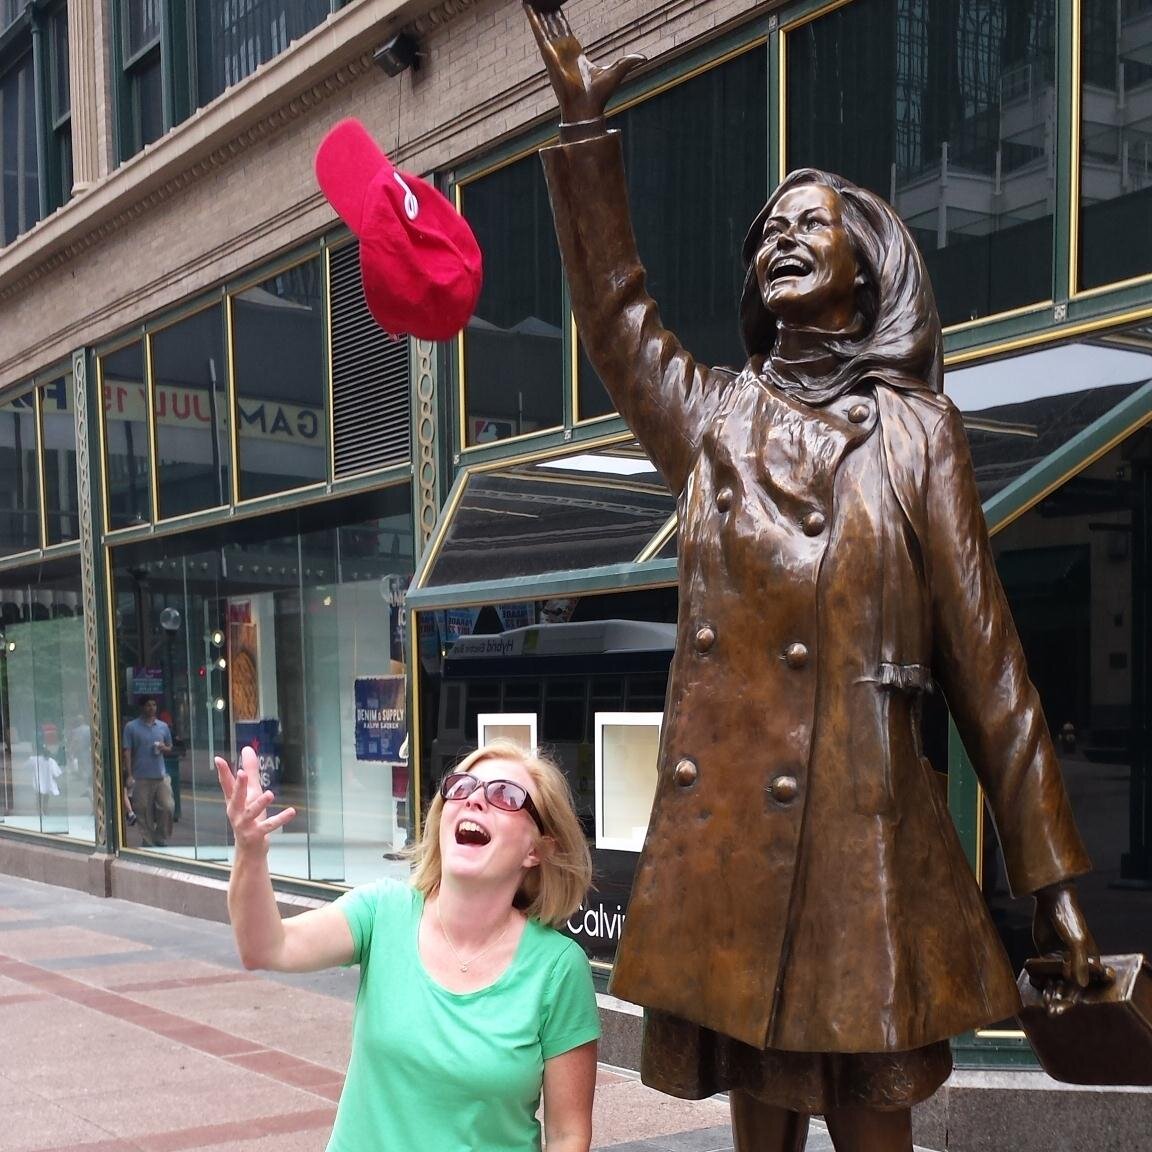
x=692, y=1063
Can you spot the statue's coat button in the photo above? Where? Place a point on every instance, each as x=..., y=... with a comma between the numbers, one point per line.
x=784, y=788
x=705, y=638
x=685, y=773
x=858, y=413
x=724, y=499
x=814, y=523
x=796, y=655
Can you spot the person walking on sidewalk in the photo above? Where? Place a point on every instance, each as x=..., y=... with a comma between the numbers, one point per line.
x=470, y=1002
x=147, y=740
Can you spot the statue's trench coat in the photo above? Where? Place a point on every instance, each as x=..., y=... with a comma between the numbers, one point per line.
x=802, y=886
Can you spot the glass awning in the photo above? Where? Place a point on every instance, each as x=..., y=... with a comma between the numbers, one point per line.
x=585, y=509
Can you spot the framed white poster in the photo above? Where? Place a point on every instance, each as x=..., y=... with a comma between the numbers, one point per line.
x=517, y=726
x=627, y=750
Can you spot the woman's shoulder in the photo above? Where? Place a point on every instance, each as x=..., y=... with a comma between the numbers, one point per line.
x=383, y=896
x=551, y=947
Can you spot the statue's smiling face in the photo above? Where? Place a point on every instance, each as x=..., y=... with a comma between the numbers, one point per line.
x=806, y=265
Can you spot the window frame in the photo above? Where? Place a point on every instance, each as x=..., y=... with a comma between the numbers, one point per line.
x=174, y=51
x=27, y=41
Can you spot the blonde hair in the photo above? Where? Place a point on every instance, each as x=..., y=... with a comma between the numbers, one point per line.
x=554, y=889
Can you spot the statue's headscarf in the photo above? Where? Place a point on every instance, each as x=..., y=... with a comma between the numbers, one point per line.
x=900, y=341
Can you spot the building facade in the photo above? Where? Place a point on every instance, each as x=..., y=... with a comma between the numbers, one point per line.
x=226, y=489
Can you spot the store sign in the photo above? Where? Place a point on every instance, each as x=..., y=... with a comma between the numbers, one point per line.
x=263, y=737
x=145, y=681
x=597, y=921
x=381, y=718
x=177, y=407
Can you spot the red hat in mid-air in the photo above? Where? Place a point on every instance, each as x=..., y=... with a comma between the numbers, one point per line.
x=419, y=261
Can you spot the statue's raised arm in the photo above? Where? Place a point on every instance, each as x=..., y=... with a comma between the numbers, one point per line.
x=582, y=88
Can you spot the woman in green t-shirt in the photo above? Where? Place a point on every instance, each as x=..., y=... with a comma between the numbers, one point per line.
x=470, y=1001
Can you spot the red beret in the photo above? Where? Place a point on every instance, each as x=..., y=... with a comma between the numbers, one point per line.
x=419, y=261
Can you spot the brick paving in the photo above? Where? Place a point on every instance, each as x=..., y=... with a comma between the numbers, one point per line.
x=125, y=1028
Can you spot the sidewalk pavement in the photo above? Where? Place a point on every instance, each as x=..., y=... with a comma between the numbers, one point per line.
x=125, y=1028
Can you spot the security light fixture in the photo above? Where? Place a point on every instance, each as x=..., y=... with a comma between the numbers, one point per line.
x=398, y=54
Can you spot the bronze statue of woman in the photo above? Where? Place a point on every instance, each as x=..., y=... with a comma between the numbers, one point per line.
x=804, y=930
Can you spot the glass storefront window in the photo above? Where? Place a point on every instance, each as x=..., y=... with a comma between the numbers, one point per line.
x=281, y=387
x=285, y=632
x=697, y=167
x=189, y=400
x=1017, y=411
x=1075, y=569
x=61, y=497
x=563, y=663
x=581, y=510
x=19, y=478
x=46, y=749
x=946, y=111
x=1115, y=140
x=513, y=346
x=126, y=437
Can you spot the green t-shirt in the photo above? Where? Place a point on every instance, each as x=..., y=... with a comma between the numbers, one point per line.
x=439, y=1071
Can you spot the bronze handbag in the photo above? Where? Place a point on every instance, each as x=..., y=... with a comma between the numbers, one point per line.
x=1099, y=1035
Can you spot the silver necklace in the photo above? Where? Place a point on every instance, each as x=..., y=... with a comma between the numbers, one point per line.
x=460, y=961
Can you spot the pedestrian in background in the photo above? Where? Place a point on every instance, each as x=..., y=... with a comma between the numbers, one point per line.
x=147, y=740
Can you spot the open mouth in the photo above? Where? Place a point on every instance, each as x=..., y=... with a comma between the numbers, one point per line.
x=469, y=832
x=788, y=266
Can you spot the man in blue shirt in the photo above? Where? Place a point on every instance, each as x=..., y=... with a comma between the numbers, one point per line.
x=147, y=741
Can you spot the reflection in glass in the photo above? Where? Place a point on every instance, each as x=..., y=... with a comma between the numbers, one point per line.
x=19, y=174
x=142, y=21
x=1017, y=411
x=1115, y=140
x=60, y=164
x=281, y=389
x=1075, y=571
x=126, y=437
x=285, y=633
x=46, y=752
x=233, y=40
x=945, y=110
x=147, y=83
x=61, y=499
x=19, y=482
x=513, y=345
x=689, y=223
x=582, y=510
x=611, y=655
x=189, y=400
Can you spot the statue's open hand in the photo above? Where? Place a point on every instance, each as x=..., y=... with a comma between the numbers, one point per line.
x=247, y=803
x=582, y=88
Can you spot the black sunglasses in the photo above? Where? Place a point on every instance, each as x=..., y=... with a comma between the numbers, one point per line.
x=503, y=794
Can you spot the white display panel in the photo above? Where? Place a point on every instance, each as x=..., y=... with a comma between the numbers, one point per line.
x=516, y=726
x=627, y=751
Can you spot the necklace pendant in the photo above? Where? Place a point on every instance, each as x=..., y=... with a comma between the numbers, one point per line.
x=463, y=967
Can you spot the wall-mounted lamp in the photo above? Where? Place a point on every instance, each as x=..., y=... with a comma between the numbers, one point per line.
x=398, y=55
